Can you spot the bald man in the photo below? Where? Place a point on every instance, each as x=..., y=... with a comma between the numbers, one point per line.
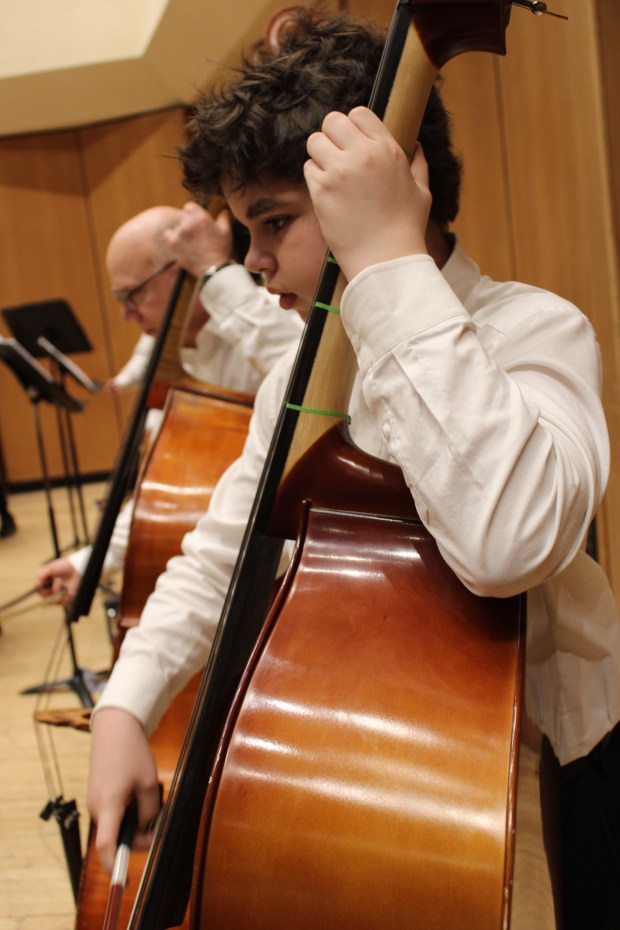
x=141, y=272
x=236, y=333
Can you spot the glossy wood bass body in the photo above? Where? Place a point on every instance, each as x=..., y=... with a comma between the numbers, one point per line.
x=367, y=777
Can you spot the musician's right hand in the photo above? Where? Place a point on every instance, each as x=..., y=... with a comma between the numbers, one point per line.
x=121, y=768
x=58, y=577
x=200, y=241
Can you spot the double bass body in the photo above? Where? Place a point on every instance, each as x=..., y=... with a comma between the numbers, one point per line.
x=367, y=777
x=201, y=434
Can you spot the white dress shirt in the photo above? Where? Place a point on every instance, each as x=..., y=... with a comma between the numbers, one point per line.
x=487, y=396
x=134, y=369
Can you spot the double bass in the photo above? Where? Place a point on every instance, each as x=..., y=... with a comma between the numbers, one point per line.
x=357, y=750
x=201, y=434
x=202, y=431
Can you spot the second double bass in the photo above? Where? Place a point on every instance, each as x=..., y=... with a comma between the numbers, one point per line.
x=201, y=434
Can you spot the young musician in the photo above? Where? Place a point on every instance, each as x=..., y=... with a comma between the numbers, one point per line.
x=485, y=394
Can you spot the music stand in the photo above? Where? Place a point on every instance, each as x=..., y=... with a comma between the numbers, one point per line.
x=52, y=319
x=50, y=328
x=41, y=386
x=67, y=366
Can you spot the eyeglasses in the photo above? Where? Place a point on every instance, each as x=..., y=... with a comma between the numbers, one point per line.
x=128, y=297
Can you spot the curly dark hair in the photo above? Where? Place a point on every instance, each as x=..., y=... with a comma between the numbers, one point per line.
x=257, y=123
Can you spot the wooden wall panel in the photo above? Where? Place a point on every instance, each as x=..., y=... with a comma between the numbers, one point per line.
x=63, y=195
x=46, y=253
x=560, y=175
x=549, y=210
x=555, y=152
x=470, y=92
x=607, y=319
x=128, y=166
x=559, y=138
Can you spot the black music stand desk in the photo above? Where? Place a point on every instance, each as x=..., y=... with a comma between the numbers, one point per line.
x=50, y=328
x=39, y=385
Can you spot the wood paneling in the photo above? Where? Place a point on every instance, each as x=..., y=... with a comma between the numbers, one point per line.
x=46, y=253
x=128, y=166
x=607, y=317
x=560, y=178
x=484, y=225
x=63, y=195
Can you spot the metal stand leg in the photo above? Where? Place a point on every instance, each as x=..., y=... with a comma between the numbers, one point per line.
x=62, y=441
x=66, y=815
x=77, y=680
x=73, y=478
x=45, y=475
x=76, y=476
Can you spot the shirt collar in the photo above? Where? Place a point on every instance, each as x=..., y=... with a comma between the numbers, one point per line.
x=461, y=272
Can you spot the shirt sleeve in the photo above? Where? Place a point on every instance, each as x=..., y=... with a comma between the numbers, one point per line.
x=247, y=316
x=497, y=426
x=117, y=547
x=133, y=370
x=173, y=639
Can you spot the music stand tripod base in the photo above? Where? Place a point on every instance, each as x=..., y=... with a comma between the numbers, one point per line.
x=77, y=681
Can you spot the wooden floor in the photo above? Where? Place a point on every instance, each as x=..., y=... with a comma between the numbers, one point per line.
x=39, y=763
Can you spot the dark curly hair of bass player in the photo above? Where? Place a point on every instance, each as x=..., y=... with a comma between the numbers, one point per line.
x=255, y=123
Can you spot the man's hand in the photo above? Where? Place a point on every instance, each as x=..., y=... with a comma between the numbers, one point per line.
x=59, y=577
x=199, y=241
x=371, y=204
x=122, y=768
